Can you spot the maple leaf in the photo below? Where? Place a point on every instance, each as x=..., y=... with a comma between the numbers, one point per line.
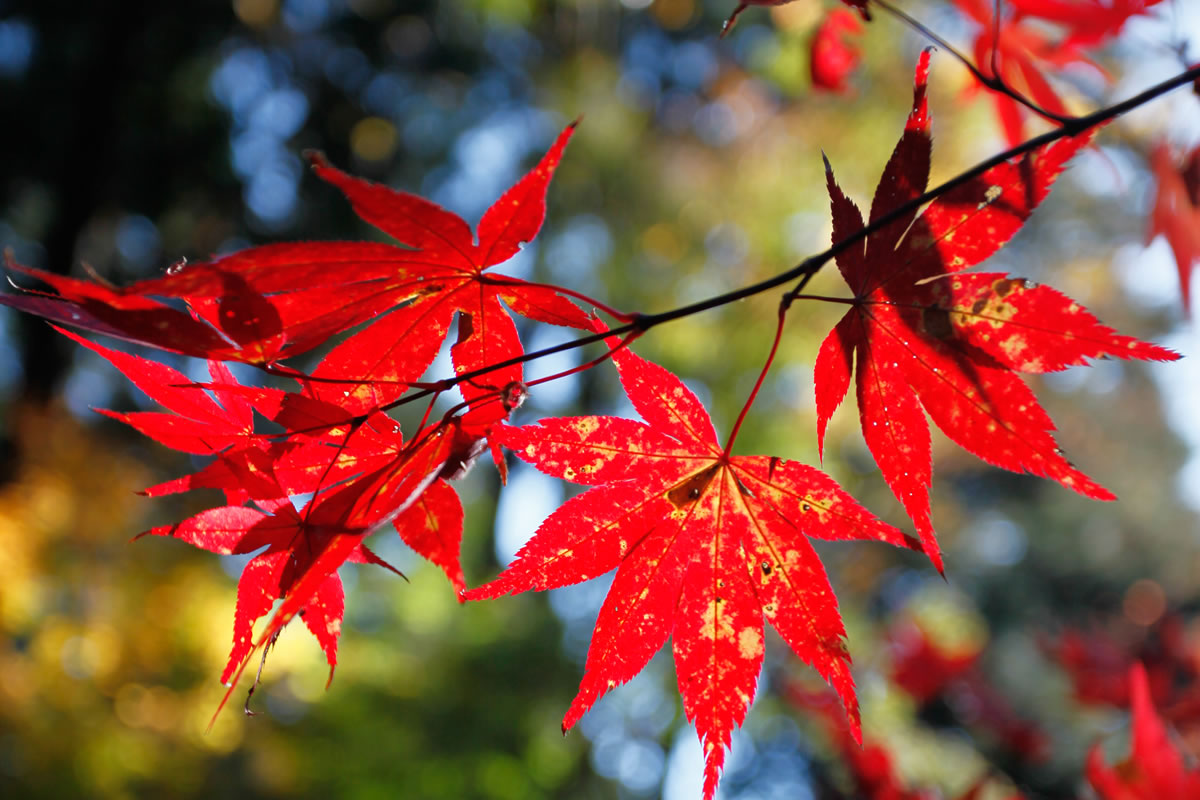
x=920, y=333
x=324, y=445
x=705, y=545
x=1176, y=213
x=926, y=669
x=1155, y=769
x=834, y=57
x=200, y=425
x=450, y=278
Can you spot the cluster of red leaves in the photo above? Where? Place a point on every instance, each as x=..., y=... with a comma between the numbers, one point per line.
x=1021, y=55
x=1098, y=662
x=708, y=547
x=871, y=767
x=1155, y=769
x=835, y=54
x=338, y=445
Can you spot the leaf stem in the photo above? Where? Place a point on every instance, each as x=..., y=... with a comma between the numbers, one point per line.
x=625, y=342
x=496, y=394
x=784, y=304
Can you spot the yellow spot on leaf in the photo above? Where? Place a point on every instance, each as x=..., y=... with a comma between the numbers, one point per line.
x=750, y=643
x=711, y=627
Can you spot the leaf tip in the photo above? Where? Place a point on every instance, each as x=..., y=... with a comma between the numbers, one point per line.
x=932, y=549
x=316, y=159
x=485, y=592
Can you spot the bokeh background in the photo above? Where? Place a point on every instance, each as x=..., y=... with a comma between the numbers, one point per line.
x=137, y=133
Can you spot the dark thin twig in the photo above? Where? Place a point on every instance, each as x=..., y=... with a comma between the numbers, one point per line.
x=994, y=82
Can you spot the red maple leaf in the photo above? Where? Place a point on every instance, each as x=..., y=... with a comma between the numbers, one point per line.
x=705, y=545
x=450, y=278
x=324, y=444
x=1155, y=769
x=834, y=55
x=920, y=332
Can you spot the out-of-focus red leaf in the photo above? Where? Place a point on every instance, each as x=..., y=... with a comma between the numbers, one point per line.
x=835, y=55
x=1021, y=56
x=921, y=668
x=1098, y=662
x=1176, y=213
x=1089, y=22
x=926, y=671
